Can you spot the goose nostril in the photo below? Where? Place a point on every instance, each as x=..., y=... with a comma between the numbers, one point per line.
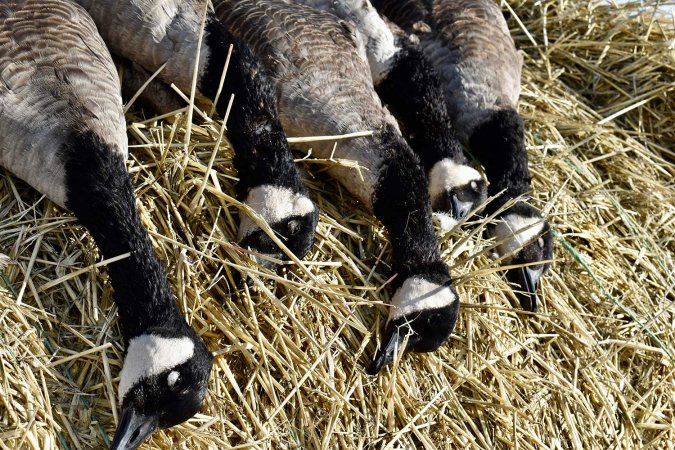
x=459, y=208
x=134, y=436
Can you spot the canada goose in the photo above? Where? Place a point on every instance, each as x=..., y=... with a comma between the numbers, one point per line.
x=62, y=131
x=410, y=87
x=324, y=88
x=469, y=43
x=153, y=33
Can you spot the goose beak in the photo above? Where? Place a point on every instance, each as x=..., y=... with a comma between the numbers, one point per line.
x=527, y=279
x=395, y=339
x=460, y=209
x=133, y=429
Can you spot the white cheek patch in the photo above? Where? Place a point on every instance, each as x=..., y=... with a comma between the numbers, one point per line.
x=150, y=355
x=445, y=221
x=274, y=204
x=515, y=231
x=447, y=174
x=417, y=294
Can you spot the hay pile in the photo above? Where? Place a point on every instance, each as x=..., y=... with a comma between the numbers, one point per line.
x=594, y=369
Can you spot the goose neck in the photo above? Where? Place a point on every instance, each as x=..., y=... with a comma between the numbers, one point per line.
x=100, y=193
x=499, y=144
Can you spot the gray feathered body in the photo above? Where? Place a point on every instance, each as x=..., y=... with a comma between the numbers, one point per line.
x=48, y=52
x=469, y=44
x=156, y=32
x=377, y=36
x=478, y=59
x=319, y=67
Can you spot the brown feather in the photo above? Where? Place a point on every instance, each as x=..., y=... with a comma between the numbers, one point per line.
x=56, y=76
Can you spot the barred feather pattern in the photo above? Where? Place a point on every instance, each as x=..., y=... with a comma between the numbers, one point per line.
x=471, y=47
x=48, y=51
x=156, y=32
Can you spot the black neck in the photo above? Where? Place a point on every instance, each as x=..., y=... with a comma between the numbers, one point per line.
x=412, y=91
x=100, y=194
x=401, y=202
x=499, y=144
x=262, y=154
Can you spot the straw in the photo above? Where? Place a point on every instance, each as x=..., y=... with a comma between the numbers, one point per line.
x=592, y=370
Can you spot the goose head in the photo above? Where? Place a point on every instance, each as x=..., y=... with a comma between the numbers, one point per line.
x=524, y=238
x=422, y=317
x=456, y=188
x=292, y=216
x=163, y=383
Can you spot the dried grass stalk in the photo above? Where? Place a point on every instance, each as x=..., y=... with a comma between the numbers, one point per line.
x=593, y=369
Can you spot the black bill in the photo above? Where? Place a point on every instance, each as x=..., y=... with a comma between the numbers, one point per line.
x=133, y=429
x=395, y=339
x=460, y=209
x=527, y=280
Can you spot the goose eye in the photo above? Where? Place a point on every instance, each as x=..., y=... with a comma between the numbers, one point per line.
x=293, y=226
x=173, y=380
x=474, y=185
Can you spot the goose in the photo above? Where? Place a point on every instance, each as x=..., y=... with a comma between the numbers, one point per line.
x=164, y=35
x=63, y=132
x=324, y=87
x=410, y=87
x=469, y=43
